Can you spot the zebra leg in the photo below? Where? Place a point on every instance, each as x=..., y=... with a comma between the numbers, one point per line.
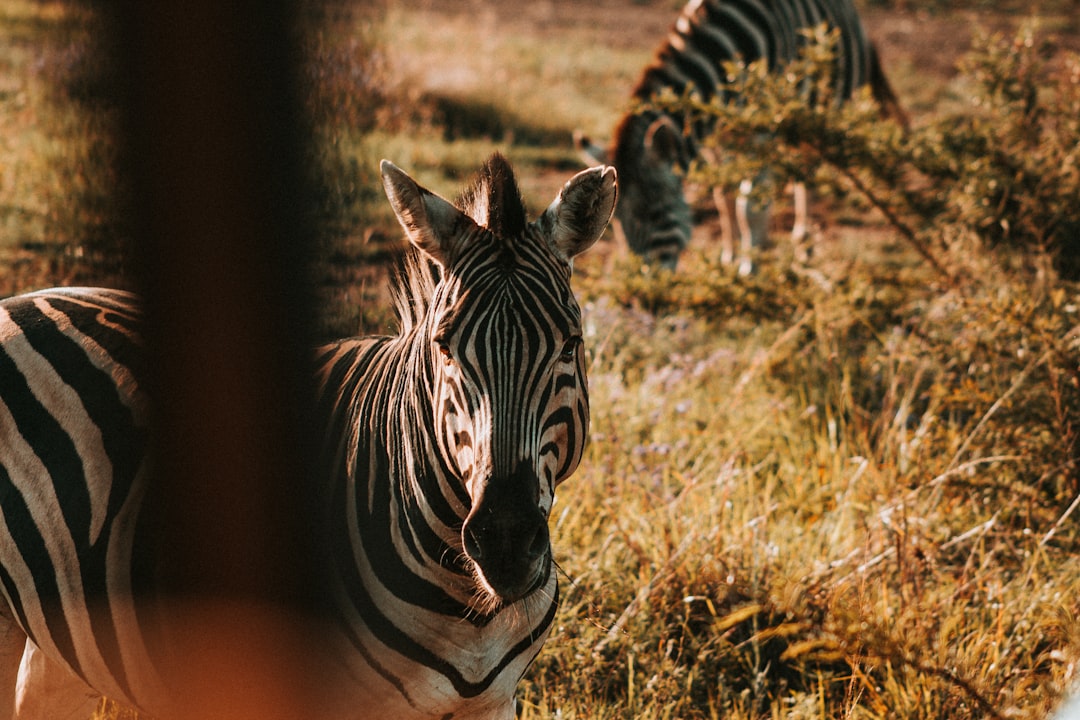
x=753, y=226
x=46, y=689
x=12, y=643
x=727, y=229
x=799, y=232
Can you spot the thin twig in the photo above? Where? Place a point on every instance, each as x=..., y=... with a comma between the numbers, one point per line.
x=1050, y=533
x=643, y=594
x=963, y=684
x=909, y=235
x=762, y=357
x=1017, y=383
x=947, y=675
x=980, y=529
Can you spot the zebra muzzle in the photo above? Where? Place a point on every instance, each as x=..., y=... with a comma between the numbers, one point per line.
x=506, y=537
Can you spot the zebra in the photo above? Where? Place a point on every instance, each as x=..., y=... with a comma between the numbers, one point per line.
x=441, y=449
x=73, y=410
x=650, y=149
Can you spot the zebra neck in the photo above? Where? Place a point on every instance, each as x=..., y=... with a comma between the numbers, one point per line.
x=413, y=497
x=426, y=482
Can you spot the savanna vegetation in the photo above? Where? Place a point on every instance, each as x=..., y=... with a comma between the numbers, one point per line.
x=845, y=488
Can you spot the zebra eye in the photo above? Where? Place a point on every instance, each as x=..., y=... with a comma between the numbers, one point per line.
x=569, y=349
x=444, y=350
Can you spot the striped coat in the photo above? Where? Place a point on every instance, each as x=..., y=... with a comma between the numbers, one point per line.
x=443, y=447
x=72, y=408
x=448, y=442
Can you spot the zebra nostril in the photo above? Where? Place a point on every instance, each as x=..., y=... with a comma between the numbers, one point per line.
x=538, y=545
x=507, y=541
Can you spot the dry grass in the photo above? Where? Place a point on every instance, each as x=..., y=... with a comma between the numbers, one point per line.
x=851, y=512
x=60, y=218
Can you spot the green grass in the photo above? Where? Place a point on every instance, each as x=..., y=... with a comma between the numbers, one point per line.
x=840, y=491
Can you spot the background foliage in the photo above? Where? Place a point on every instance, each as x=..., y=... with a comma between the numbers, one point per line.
x=1002, y=173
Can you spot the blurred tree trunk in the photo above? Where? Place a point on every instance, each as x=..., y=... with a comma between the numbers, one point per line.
x=213, y=147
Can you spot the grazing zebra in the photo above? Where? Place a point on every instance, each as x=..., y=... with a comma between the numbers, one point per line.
x=442, y=448
x=649, y=145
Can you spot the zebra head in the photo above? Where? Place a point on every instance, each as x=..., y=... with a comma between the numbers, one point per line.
x=502, y=342
x=653, y=213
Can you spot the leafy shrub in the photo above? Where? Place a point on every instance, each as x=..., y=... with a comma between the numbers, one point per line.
x=848, y=490
x=1003, y=175
x=347, y=74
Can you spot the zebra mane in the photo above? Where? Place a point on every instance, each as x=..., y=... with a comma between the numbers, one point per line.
x=412, y=286
x=494, y=201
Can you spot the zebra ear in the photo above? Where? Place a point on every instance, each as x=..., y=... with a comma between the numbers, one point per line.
x=431, y=223
x=578, y=216
x=591, y=153
x=664, y=142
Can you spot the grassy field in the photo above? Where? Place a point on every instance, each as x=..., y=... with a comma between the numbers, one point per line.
x=842, y=490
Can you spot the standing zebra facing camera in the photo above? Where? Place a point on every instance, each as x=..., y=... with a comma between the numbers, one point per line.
x=650, y=149
x=442, y=449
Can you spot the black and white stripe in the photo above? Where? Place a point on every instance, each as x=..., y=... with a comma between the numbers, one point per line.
x=449, y=440
x=443, y=446
x=650, y=146
x=73, y=434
